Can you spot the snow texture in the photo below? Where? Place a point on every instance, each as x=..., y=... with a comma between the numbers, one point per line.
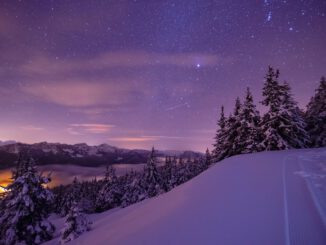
x=251, y=199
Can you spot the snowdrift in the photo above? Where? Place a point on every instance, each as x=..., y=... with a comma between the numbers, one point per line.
x=265, y=198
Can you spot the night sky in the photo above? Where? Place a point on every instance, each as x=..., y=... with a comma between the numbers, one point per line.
x=148, y=72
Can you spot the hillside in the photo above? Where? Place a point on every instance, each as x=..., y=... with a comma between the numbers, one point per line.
x=265, y=198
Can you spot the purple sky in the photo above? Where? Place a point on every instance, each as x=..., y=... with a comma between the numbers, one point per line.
x=147, y=72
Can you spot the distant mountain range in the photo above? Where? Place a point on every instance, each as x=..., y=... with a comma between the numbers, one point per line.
x=7, y=142
x=79, y=154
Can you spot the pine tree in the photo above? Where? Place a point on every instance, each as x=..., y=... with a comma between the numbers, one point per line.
x=72, y=195
x=110, y=174
x=75, y=224
x=283, y=125
x=111, y=193
x=232, y=140
x=250, y=136
x=26, y=207
x=290, y=112
x=220, y=151
x=316, y=116
x=274, y=125
x=173, y=175
x=152, y=178
x=271, y=90
x=134, y=190
x=168, y=174
x=208, y=159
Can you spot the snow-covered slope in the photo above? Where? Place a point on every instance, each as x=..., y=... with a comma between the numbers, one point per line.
x=265, y=198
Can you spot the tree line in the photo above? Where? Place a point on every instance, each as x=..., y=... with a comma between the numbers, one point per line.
x=26, y=206
x=283, y=126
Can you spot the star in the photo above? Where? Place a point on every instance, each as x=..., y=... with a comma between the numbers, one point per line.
x=198, y=65
x=269, y=16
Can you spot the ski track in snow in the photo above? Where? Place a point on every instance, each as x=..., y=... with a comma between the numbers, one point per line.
x=286, y=213
x=253, y=199
x=303, y=220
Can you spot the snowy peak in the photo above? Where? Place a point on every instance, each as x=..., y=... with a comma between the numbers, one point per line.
x=7, y=142
x=79, y=154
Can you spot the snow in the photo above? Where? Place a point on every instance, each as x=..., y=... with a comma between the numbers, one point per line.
x=248, y=199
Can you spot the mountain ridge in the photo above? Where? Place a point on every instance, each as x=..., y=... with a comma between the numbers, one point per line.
x=80, y=154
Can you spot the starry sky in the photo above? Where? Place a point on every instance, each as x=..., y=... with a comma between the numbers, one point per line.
x=148, y=72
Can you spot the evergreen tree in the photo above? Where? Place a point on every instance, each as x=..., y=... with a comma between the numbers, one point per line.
x=271, y=90
x=111, y=193
x=26, y=207
x=220, y=151
x=183, y=172
x=133, y=191
x=208, y=159
x=232, y=141
x=168, y=174
x=152, y=178
x=72, y=195
x=276, y=122
x=290, y=113
x=173, y=178
x=316, y=116
x=250, y=136
x=75, y=224
x=110, y=174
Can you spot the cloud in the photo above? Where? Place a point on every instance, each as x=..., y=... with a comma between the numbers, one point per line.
x=72, y=131
x=132, y=139
x=94, y=111
x=143, y=138
x=81, y=93
x=91, y=128
x=164, y=137
x=44, y=65
x=98, y=81
x=31, y=128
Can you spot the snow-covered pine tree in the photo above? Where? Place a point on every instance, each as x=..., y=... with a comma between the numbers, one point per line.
x=75, y=224
x=290, y=112
x=316, y=116
x=110, y=174
x=152, y=178
x=168, y=174
x=208, y=159
x=183, y=172
x=271, y=90
x=173, y=182
x=26, y=208
x=111, y=193
x=133, y=190
x=89, y=191
x=274, y=126
x=283, y=125
x=250, y=136
x=232, y=139
x=220, y=151
x=73, y=194
x=59, y=199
